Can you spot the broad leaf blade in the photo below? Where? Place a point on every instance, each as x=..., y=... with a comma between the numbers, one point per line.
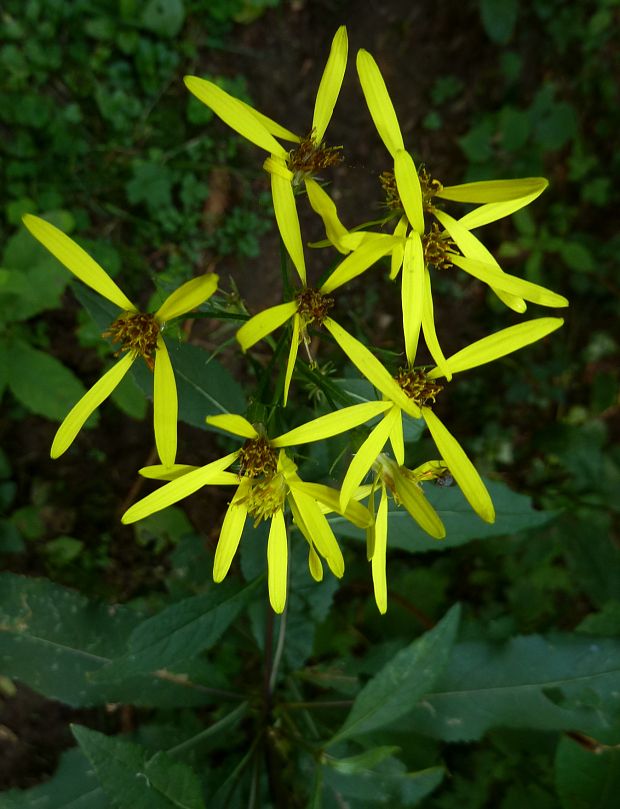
x=566, y=682
x=403, y=681
x=132, y=780
x=55, y=640
x=180, y=631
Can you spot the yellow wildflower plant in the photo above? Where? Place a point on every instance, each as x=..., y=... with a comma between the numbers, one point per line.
x=311, y=306
x=420, y=387
x=139, y=335
x=267, y=481
x=288, y=169
x=411, y=192
x=404, y=487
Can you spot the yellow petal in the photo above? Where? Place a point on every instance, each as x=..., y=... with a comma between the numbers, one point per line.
x=187, y=297
x=264, y=323
x=461, y=468
x=318, y=529
x=397, y=441
x=234, y=113
x=412, y=294
x=161, y=472
x=412, y=498
x=366, y=455
x=314, y=564
x=91, y=400
x=177, y=470
x=324, y=206
x=276, y=165
x=368, y=365
x=273, y=127
x=288, y=222
x=370, y=531
x=331, y=82
x=292, y=358
x=428, y=327
x=165, y=405
x=355, y=512
x=379, y=102
x=409, y=191
x=232, y=423
x=178, y=489
x=277, y=562
x=493, y=211
x=499, y=344
x=379, y=578
x=509, y=283
x=472, y=247
x=230, y=534
x=494, y=190
x=332, y=424
x=398, y=251
x=77, y=261
x=374, y=247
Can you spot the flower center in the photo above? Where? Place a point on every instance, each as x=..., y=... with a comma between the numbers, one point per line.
x=418, y=386
x=310, y=157
x=136, y=332
x=257, y=458
x=313, y=306
x=428, y=186
x=266, y=497
x=438, y=247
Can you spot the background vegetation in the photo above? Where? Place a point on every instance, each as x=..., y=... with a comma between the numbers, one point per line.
x=99, y=134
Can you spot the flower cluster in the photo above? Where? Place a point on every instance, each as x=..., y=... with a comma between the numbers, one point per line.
x=421, y=239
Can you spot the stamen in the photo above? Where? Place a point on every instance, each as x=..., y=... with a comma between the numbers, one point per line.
x=136, y=332
x=310, y=157
x=438, y=248
x=266, y=497
x=257, y=457
x=392, y=197
x=418, y=386
x=313, y=306
x=429, y=187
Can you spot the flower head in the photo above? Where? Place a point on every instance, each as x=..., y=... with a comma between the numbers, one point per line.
x=288, y=169
x=267, y=482
x=139, y=335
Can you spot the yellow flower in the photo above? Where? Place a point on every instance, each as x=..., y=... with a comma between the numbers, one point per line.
x=288, y=169
x=403, y=485
x=266, y=482
x=419, y=387
x=311, y=306
x=138, y=333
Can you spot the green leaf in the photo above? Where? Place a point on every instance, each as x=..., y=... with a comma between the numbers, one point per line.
x=387, y=784
x=587, y=779
x=129, y=398
x=151, y=184
x=577, y=256
x=180, y=631
x=499, y=18
x=41, y=383
x=132, y=780
x=54, y=640
x=565, y=682
x=73, y=786
x=514, y=513
x=403, y=681
x=164, y=17
x=363, y=761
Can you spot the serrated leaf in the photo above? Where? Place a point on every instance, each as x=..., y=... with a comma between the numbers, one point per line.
x=180, y=631
x=403, y=681
x=363, y=761
x=54, y=640
x=132, y=780
x=73, y=786
x=585, y=778
x=566, y=682
x=163, y=17
x=514, y=513
x=41, y=383
x=388, y=784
